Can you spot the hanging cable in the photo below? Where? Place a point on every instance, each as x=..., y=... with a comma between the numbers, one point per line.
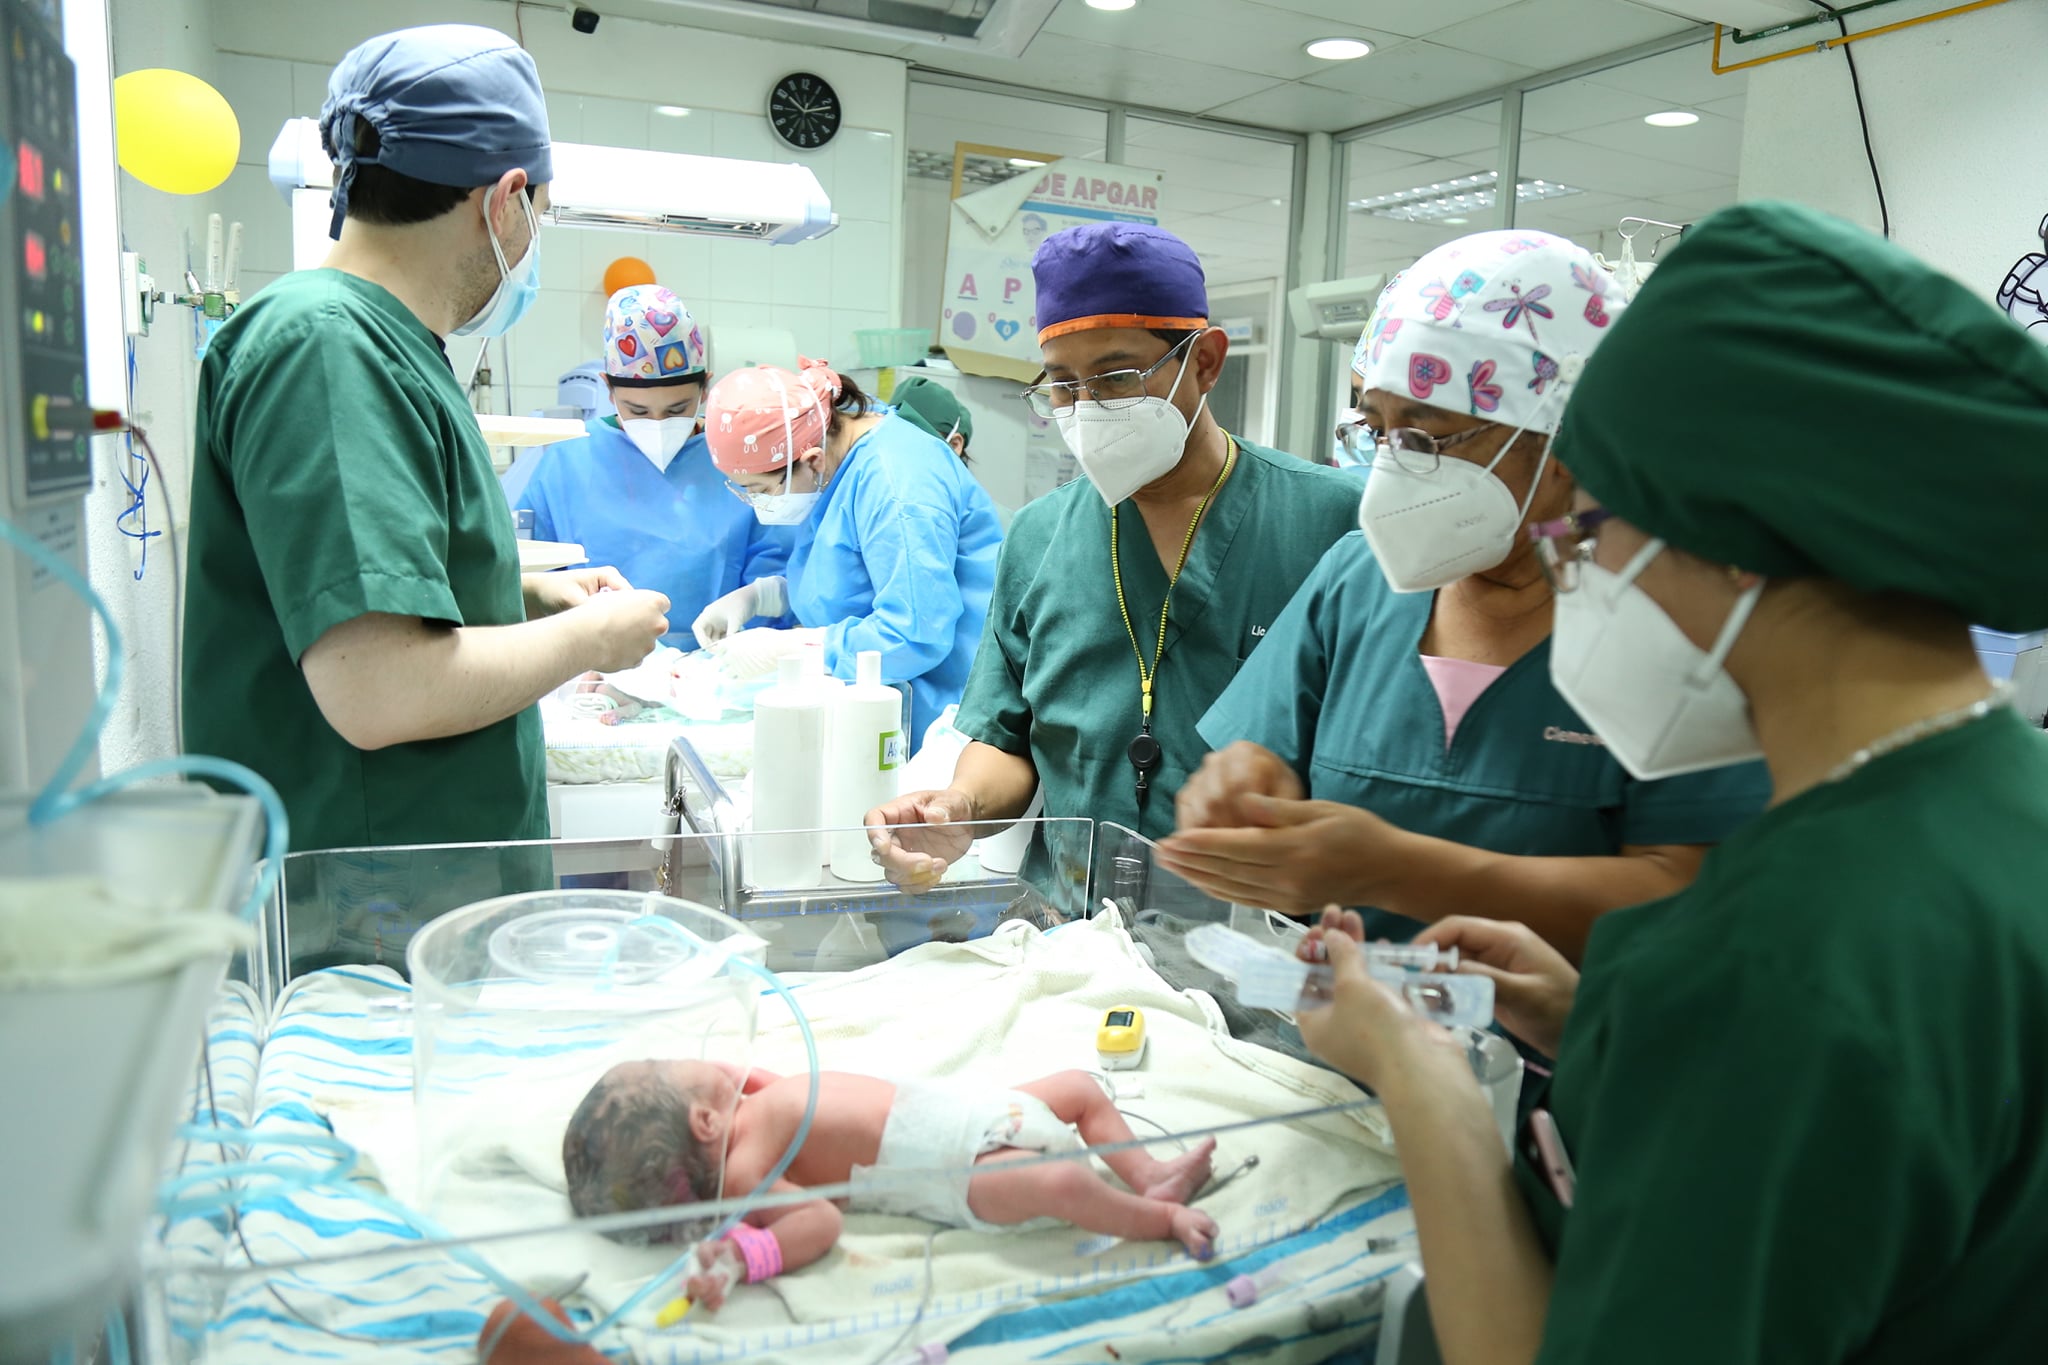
x=1884, y=213
x=133, y=522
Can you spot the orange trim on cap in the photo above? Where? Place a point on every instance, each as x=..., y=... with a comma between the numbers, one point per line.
x=1144, y=320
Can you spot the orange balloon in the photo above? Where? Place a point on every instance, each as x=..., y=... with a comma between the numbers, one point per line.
x=626, y=272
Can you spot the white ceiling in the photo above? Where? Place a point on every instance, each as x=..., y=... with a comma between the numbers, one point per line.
x=1242, y=61
x=1588, y=134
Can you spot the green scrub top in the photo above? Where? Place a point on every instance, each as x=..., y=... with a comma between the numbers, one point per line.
x=1339, y=692
x=338, y=471
x=1807, y=1098
x=1055, y=678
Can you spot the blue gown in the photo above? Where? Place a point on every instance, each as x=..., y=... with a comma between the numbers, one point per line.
x=679, y=531
x=1339, y=692
x=899, y=556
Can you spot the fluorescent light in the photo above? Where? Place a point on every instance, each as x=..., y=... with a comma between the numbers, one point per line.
x=1455, y=222
x=1675, y=118
x=1458, y=196
x=672, y=110
x=1111, y=5
x=1334, y=49
x=1025, y=163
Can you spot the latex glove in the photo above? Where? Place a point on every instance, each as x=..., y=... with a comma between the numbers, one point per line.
x=728, y=616
x=1369, y=1033
x=751, y=653
x=549, y=593
x=1533, y=984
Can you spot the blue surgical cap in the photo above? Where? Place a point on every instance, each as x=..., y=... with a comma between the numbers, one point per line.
x=451, y=104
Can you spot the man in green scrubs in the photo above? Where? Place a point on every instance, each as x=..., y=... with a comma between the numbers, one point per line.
x=357, y=629
x=1800, y=1111
x=1123, y=602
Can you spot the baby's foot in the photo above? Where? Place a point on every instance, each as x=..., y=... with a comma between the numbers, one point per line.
x=1182, y=1178
x=1196, y=1231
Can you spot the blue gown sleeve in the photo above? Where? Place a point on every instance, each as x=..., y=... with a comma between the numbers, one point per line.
x=535, y=499
x=767, y=552
x=909, y=551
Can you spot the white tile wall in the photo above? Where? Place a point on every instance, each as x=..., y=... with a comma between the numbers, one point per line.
x=822, y=291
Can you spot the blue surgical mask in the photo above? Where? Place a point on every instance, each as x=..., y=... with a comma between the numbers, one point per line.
x=517, y=286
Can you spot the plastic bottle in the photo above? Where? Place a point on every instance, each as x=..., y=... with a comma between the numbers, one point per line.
x=868, y=749
x=787, y=849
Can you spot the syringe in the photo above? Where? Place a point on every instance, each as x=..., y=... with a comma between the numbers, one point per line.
x=1408, y=957
x=1268, y=977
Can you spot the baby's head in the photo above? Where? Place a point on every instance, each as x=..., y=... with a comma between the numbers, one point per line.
x=648, y=1135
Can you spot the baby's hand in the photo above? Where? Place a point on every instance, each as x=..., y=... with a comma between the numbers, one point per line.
x=707, y=1289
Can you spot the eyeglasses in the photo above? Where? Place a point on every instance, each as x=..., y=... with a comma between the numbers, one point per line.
x=1565, y=546
x=1116, y=389
x=754, y=499
x=1418, y=452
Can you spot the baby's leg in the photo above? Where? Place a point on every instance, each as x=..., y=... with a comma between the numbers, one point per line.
x=1075, y=1097
x=1072, y=1192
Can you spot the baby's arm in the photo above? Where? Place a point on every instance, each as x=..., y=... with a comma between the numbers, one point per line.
x=805, y=1231
x=769, y=1242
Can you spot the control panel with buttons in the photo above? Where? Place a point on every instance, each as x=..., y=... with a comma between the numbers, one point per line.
x=42, y=286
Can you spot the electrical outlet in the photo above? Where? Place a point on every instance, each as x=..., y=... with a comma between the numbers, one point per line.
x=139, y=295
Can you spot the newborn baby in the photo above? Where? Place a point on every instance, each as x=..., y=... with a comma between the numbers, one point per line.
x=649, y=1134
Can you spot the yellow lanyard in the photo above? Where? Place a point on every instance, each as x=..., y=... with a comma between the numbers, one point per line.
x=1146, y=675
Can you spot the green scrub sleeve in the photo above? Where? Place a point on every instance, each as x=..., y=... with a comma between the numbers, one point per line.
x=1276, y=699
x=1743, y=1149
x=1698, y=808
x=341, y=471
x=992, y=707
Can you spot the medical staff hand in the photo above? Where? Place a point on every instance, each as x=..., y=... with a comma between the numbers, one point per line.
x=939, y=832
x=729, y=615
x=1533, y=984
x=1292, y=856
x=548, y=593
x=1369, y=1033
x=1210, y=799
x=751, y=653
x=620, y=628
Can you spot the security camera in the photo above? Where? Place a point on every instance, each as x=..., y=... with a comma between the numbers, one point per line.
x=583, y=20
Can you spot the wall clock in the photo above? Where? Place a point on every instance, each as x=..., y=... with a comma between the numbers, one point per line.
x=804, y=111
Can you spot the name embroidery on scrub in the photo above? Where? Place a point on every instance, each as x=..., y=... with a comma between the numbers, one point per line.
x=1558, y=735
x=1258, y=632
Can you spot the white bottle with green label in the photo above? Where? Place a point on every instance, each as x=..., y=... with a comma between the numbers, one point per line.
x=867, y=750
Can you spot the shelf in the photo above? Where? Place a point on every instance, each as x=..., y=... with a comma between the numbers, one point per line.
x=527, y=431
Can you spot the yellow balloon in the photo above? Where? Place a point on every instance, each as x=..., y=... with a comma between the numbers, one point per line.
x=173, y=131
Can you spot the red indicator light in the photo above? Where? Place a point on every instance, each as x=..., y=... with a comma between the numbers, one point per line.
x=30, y=176
x=33, y=256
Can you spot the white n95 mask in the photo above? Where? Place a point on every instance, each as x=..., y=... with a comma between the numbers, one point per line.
x=1123, y=448
x=1663, y=705
x=1430, y=529
x=659, y=440
x=786, y=508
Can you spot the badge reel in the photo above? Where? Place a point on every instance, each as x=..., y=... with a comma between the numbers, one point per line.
x=1146, y=754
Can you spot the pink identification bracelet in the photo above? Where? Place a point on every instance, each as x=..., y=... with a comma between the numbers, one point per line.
x=759, y=1249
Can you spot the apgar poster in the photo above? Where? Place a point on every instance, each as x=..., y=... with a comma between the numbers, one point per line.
x=989, y=315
